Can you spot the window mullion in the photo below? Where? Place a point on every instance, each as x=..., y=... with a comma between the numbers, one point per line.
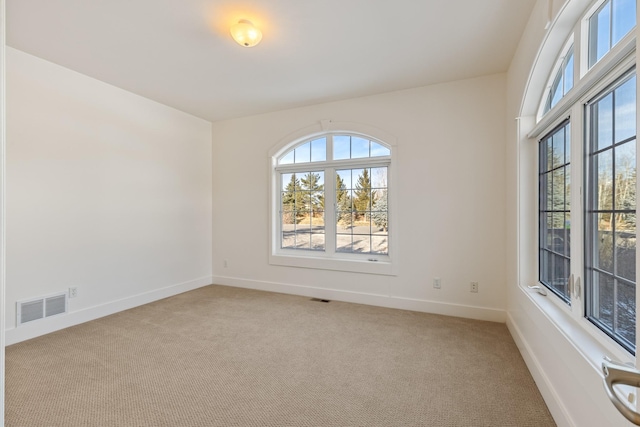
x=330, y=211
x=577, y=211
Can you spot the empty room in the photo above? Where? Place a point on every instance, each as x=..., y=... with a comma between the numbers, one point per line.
x=335, y=213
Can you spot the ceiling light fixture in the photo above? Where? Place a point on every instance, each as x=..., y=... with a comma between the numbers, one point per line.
x=245, y=33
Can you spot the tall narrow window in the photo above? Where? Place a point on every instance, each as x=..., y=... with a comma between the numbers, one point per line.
x=610, y=274
x=611, y=22
x=555, y=210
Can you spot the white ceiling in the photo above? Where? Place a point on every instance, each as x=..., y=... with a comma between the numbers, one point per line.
x=179, y=52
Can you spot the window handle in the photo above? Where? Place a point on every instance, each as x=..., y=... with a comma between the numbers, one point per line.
x=539, y=289
x=620, y=373
x=576, y=288
x=571, y=284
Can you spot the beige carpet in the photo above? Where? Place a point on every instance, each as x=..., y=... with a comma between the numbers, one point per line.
x=221, y=356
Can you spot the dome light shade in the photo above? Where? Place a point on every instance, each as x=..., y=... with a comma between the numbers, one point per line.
x=245, y=33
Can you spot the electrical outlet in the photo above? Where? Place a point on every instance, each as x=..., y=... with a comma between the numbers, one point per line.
x=225, y=263
x=474, y=287
x=436, y=283
x=73, y=292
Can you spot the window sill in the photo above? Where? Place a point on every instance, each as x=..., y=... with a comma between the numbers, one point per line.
x=380, y=267
x=589, y=341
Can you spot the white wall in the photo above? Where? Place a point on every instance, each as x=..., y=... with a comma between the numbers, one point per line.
x=2, y=196
x=106, y=191
x=450, y=199
x=566, y=371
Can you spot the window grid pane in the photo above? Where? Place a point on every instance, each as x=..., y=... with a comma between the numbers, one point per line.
x=554, y=211
x=611, y=214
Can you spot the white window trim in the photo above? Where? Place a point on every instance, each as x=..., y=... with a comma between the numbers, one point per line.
x=358, y=263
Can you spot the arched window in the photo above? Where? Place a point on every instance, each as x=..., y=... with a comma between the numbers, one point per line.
x=331, y=203
x=586, y=174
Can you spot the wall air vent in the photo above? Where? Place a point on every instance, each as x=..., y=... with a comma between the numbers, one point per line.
x=40, y=308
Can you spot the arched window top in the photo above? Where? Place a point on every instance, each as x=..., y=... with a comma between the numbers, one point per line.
x=334, y=147
x=595, y=33
x=562, y=81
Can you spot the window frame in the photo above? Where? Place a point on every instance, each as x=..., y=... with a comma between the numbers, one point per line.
x=332, y=260
x=563, y=126
x=588, y=83
x=620, y=79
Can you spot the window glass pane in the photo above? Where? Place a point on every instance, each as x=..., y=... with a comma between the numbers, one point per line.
x=288, y=237
x=548, y=154
x=624, y=18
x=625, y=108
x=558, y=149
x=626, y=246
x=545, y=267
x=603, y=121
x=603, y=244
x=625, y=183
x=362, y=244
x=285, y=179
x=303, y=239
x=599, y=34
x=604, y=181
x=359, y=147
x=287, y=158
x=317, y=242
x=625, y=324
x=546, y=191
x=568, y=72
x=603, y=299
x=378, y=150
x=303, y=153
x=558, y=196
x=556, y=89
x=319, y=150
x=344, y=243
x=362, y=190
x=379, y=244
x=559, y=274
x=547, y=231
x=379, y=177
x=341, y=147
x=344, y=176
x=291, y=192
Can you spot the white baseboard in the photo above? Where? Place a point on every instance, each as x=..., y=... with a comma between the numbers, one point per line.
x=426, y=306
x=549, y=393
x=45, y=326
